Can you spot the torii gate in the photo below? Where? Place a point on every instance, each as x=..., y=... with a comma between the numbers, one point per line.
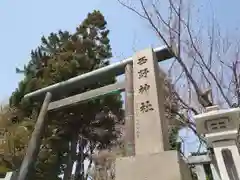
x=119, y=68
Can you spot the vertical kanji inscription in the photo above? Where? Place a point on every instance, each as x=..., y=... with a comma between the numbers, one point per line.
x=143, y=88
x=142, y=60
x=143, y=73
x=146, y=107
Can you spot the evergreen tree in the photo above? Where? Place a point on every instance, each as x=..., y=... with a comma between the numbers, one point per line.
x=62, y=56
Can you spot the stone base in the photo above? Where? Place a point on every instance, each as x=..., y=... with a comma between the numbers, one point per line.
x=161, y=166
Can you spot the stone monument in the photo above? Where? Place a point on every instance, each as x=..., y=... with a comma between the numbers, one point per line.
x=220, y=128
x=152, y=159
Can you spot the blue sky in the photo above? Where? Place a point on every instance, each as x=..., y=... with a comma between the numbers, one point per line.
x=24, y=22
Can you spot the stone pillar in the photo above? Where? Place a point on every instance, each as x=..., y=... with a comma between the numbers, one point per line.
x=151, y=160
x=200, y=172
x=214, y=172
x=236, y=157
x=220, y=163
x=151, y=127
x=223, y=166
x=8, y=176
x=198, y=162
x=129, y=111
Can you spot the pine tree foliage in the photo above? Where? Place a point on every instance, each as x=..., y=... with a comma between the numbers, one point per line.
x=73, y=134
x=61, y=56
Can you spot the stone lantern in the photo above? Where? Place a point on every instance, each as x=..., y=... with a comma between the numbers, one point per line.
x=220, y=128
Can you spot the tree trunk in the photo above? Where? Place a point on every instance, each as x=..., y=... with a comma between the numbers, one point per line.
x=71, y=159
x=79, y=173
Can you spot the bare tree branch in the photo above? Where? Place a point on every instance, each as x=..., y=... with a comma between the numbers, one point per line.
x=236, y=81
x=189, y=124
x=132, y=9
x=205, y=65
